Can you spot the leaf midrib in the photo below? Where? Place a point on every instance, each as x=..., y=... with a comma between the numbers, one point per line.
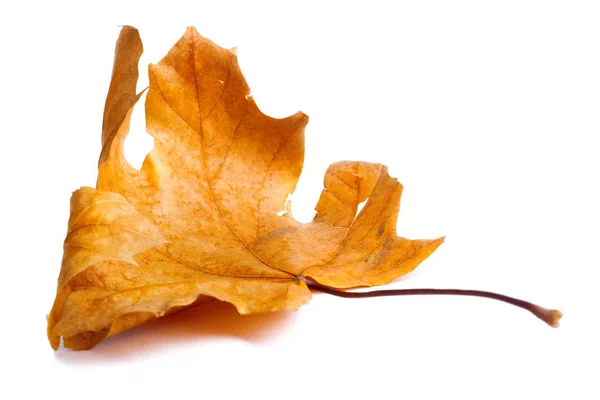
x=204, y=167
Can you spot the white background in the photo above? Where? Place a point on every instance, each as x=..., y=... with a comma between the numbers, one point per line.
x=486, y=111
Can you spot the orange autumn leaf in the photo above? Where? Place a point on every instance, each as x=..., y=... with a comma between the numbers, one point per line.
x=202, y=218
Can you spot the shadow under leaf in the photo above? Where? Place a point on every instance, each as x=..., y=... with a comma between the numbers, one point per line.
x=209, y=321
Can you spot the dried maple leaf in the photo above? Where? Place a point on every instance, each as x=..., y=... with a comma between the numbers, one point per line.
x=200, y=219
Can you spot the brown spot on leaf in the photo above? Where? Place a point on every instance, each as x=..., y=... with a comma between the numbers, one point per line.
x=381, y=229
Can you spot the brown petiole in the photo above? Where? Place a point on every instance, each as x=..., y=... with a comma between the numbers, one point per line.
x=551, y=317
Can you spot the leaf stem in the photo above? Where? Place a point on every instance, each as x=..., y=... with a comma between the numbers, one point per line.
x=551, y=317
